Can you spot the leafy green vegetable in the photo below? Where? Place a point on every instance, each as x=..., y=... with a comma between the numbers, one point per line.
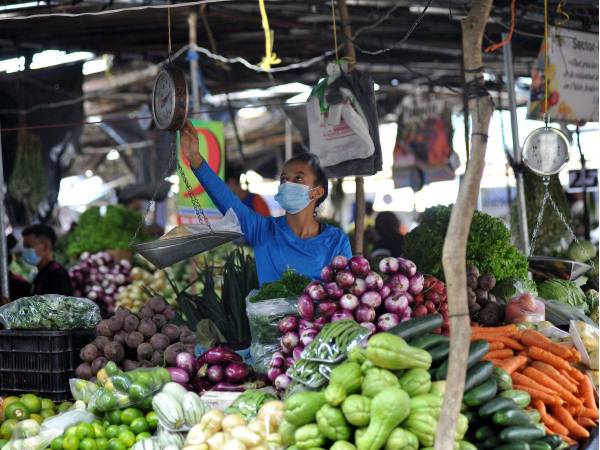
x=488, y=246
x=564, y=291
x=249, y=403
x=291, y=284
x=510, y=287
x=581, y=251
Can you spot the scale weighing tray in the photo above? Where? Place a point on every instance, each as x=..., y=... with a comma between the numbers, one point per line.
x=547, y=267
x=165, y=252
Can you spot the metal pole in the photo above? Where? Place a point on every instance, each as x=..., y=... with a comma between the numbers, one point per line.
x=514, y=127
x=194, y=63
x=3, y=248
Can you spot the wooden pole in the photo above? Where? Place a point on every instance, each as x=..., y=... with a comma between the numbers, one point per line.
x=359, y=228
x=455, y=244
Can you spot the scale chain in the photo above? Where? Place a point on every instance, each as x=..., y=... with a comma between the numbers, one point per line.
x=196, y=204
x=538, y=222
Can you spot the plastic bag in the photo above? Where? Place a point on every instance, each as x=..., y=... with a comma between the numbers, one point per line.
x=525, y=308
x=50, y=312
x=263, y=317
x=334, y=341
x=585, y=337
x=250, y=402
x=561, y=313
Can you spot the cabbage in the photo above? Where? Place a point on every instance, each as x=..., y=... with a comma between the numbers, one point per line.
x=565, y=292
x=581, y=251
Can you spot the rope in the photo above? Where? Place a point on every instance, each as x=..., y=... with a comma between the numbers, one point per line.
x=513, y=11
x=546, y=115
x=169, y=30
x=270, y=58
x=335, y=42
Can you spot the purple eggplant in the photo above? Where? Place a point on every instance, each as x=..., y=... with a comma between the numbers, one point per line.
x=228, y=387
x=199, y=385
x=359, y=265
x=215, y=373
x=416, y=284
x=396, y=303
x=359, y=287
x=306, y=307
x=371, y=298
x=316, y=291
x=186, y=361
x=345, y=279
x=374, y=281
x=342, y=315
x=365, y=313
x=326, y=309
x=333, y=290
x=179, y=375
x=407, y=267
x=221, y=355
x=327, y=274
x=287, y=324
x=387, y=321
x=340, y=262
x=349, y=302
x=389, y=265
x=237, y=372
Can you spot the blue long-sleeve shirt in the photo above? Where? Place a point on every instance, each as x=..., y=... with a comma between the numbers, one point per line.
x=276, y=247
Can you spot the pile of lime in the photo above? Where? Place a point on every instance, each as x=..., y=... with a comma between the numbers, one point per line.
x=119, y=430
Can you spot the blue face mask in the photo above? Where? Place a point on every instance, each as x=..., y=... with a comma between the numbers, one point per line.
x=293, y=197
x=30, y=256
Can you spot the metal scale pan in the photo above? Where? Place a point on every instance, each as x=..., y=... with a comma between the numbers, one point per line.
x=547, y=267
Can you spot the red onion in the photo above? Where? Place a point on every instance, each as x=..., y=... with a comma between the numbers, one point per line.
x=359, y=265
x=277, y=360
x=220, y=355
x=307, y=336
x=387, y=321
x=407, y=267
x=287, y=324
x=374, y=281
x=333, y=290
x=396, y=303
x=304, y=324
x=237, y=372
x=327, y=274
x=371, y=298
x=326, y=309
x=178, y=375
x=289, y=361
x=342, y=315
x=306, y=307
x=282, y=382
x=385, y=291
x=215, y=373
x=345, y=279
x=365, y=313
x=359, y=287
x=297, y=352
x=273, y=373
x=339, y=262
x=369, y=326
x=186, y=361
x=416, y=284
x=290, y=340
x=399, y=282
x=315, y=290
x=320, y=323
x=349, y=302
x=389, y=265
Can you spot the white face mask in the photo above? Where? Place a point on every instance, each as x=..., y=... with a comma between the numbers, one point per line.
x=293, y=197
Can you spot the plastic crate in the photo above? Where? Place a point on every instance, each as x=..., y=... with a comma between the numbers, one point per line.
x=40, y=361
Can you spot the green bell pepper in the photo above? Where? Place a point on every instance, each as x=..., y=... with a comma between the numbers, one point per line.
x=332, y=424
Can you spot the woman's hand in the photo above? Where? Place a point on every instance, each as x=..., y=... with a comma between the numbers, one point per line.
x=189, y=145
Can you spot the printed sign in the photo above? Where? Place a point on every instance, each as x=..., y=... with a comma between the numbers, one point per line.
x=572, y=78
x=212, y=148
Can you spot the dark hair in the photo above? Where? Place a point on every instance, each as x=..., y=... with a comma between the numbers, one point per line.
x=40, y=230
x=233, y=172
x=387, y=223
x=321, y=178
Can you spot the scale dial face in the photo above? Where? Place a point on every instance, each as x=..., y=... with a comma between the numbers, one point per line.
x=546, y=151
x=169, y=99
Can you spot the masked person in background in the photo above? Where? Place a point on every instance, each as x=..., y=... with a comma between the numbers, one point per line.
x=296, y=240
x=17, y=285
x=52, y=278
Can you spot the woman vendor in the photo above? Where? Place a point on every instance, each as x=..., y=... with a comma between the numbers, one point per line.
x=296, y=240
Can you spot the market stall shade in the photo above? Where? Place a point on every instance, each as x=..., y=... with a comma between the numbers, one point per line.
x=547, y=267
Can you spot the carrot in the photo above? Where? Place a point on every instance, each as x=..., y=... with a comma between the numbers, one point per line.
x=495, y=345
x=586, y=422
x=509, y=330
x=565, y=418
x=568, y=377
x=495, y=362
x=513, y=364
x=499, y=354
x=540, y=354
x=524, y=380
x=535, y=338
x=581, y=411
x=574, y=356
x=507, y=341
x=537, y=394
x=555, y=375
x=545, y=380
x=550, y=422
x=576, y=374
x=587, y=392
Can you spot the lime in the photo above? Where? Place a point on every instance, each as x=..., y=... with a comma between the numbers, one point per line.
x=114, y=417
x=46, y=413
x=112, y=431
x=101, y=443
x=115, y=444
x=16, y=410
x=123, y=428
x=99, y=430
x=64, y=406
x=152, y=420
x=71, y=431
x=88, y=444
x=142, y=436
x=145, y=378
x=47, y=404
x=84, y=430
x=106, y=424
x=32, y=402
x=57, y=444
x=71, y=443
x=138, y=391
x=146, y=404
x=8, y=400
x=139, y=425
x=127, y=438
x=130, y=414
x=112, y=369
x=7, y=428
x=164, y=374
x=39, y=419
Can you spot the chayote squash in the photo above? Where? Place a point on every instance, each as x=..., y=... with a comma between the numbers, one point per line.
x=376, y=380
x=309, y=436
x=415, y=382
x=357, y=354
x=357, y=410
x=345, y=379
x=301, y=408
x=422, y=425
x=401, y=439
x=286, y=430
x=392, y=352
x=342, y=445
x=388, y=409
x=332, y=423
x=462, y=425
x=438, y=388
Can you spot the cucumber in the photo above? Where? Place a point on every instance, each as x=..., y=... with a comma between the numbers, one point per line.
x=484, y=432
x=440, y=352
x=482, y=393
x=534, y=415
x=521, y=434
x=554, y=440
x=504, y=379
x=417, y=327
x=492, y=442
x=478, y=374
x=477, y=350
x=512, y=417
x=540, y=445
x=521, y=398
x=514, y=446
x=471, y=416
x=428, y=341
x=497, y=404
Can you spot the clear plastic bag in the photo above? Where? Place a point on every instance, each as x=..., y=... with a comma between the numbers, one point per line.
x=525, y=308
x=334, y=341
x=50, y=312
x=263, y=317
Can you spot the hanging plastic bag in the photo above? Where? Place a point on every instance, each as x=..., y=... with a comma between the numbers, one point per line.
x=525, y=308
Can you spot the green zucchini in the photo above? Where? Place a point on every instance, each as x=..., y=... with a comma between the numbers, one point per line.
x=482, y=393
x=477, y=350
x=512, y=417
x=418, y=326
x=484, y=432
x=554, y=440
x=471, y=416
x=495, y=405
x=521, y=434
x=521, y=398
x=540, y=445
x=514, y=446
x=478, y=374
x=440, y=352
x=429, y=340
x=534, y=415
x=504, y=379
x=492, y=442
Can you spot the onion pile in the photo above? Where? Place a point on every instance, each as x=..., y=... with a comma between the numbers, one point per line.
x=349, y=289
x=433, y=299
x=143, y=286
x=99, y=277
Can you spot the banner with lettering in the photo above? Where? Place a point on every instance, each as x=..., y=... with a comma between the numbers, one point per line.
x=212, y=148
x=572, y=78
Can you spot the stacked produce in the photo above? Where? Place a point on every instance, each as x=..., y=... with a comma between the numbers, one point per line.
x=176, y=408
x=483, y=305
x=219, y=369
x=98, y=277
x=433, y=299
x=146, y=339
x=143, y=286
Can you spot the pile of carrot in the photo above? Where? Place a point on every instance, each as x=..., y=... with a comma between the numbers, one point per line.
x=562, y=394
